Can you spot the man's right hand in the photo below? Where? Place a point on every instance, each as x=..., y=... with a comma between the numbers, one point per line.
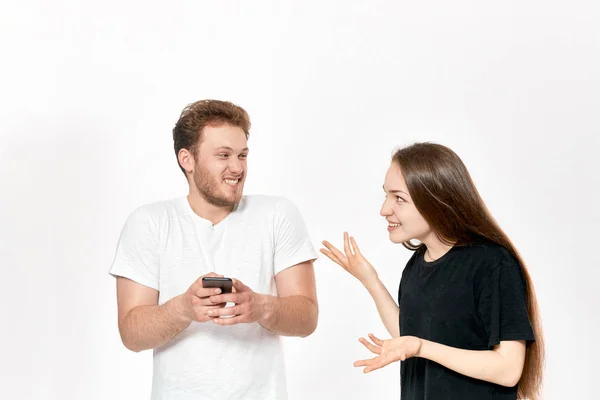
x=195, y=302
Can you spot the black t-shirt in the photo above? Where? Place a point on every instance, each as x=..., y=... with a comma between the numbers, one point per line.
x=471, y=298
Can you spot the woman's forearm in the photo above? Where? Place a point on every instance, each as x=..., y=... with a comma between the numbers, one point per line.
x=386, y=306
x=487, y=365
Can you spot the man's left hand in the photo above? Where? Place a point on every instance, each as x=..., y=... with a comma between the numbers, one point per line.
x=248, y=308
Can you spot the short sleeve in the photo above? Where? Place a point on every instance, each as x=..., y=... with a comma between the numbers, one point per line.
x=292, y=242
x=502, y=304
x=136, y=256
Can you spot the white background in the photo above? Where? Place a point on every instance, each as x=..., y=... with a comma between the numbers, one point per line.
x=89, y=93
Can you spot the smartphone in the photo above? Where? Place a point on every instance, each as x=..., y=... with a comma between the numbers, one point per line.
x=213, y=282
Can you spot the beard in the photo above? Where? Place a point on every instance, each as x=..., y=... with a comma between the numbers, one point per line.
x=208, y=187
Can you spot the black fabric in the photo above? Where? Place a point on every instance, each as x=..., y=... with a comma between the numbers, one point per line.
x=471, y=298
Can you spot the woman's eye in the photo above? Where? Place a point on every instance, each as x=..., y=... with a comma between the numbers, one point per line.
x=399, y=199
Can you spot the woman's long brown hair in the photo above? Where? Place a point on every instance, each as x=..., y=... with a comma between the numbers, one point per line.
x=445, y=195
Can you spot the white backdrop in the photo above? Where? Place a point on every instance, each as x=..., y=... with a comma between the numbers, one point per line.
x=89, y=93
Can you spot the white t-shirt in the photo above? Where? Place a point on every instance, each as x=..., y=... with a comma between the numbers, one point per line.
x=166, y=246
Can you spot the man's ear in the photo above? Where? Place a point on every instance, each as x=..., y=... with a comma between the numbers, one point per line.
x=186, y=160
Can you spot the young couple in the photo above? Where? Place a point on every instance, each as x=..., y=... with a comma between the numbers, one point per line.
x=465, y=324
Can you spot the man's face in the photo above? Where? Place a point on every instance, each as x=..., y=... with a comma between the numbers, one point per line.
x=220, y=165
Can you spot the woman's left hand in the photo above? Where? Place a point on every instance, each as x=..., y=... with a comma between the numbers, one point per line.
x=397, y=349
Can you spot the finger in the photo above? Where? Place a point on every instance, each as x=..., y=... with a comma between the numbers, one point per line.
x=372, y=368
x=206, y=292
x=239, y=286
x=376, y=340
x=236, y=298
x=201, y=313
x=338, y=254
x=371, y=365
x=229, y=321
x=372, y=348
x=347, y=248
x=332, y=257
x=204, y=309
x=198, y=283
x=210, y=274
x=365, y=363
x=354, y=246
x=227, y=311
x=205, y=301
x=379, y=362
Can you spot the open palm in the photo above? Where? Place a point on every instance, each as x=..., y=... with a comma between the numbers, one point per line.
x=388, y=351
x=351, y=259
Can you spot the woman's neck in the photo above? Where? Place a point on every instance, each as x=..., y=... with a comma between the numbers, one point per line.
x=435, y=247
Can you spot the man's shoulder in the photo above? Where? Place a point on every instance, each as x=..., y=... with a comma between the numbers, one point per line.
x=158, y=209
x=266, y=203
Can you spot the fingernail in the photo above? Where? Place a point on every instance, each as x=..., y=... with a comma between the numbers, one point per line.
x=217, y=291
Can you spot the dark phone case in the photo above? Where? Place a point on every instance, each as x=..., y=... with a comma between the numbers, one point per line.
x=224, y=283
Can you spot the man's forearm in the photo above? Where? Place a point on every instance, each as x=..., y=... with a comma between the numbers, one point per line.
x=148, y=327
x=289, y=316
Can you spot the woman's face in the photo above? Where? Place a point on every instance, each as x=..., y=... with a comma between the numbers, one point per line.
x=404, y=221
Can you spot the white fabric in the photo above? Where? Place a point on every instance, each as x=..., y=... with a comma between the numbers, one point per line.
x=166, y=246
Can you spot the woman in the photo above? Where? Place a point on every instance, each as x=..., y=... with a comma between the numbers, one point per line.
x=467, y=325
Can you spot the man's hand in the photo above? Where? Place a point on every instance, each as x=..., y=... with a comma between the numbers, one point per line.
x=196, y=301
x=249, y=306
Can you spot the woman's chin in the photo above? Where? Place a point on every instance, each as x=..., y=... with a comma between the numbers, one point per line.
x=397, y=238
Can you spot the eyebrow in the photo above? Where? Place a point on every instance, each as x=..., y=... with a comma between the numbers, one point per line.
x=394, y=191
x=230, y=149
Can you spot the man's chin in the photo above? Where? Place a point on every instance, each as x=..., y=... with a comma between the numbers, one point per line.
x=232, y=194
x=231, y=200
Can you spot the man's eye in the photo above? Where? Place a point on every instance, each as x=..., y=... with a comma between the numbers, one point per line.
x=244, y=156
x=223, y=155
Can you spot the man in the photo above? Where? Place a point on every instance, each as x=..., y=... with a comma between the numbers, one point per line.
x=202, y=349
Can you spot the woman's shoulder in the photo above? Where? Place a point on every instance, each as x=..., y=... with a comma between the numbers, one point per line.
x=485, y=250
x=485, y=256
x=417, y=254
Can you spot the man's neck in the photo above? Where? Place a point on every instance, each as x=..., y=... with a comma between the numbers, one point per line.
x=206, y=210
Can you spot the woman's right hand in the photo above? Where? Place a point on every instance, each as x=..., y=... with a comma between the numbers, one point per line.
x=352, y=261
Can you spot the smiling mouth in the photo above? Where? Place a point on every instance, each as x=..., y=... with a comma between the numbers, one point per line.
x=393, y=225
x=232, y=182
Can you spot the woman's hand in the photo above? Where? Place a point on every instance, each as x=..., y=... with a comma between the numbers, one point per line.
x=352, y=261
x=389, y=351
